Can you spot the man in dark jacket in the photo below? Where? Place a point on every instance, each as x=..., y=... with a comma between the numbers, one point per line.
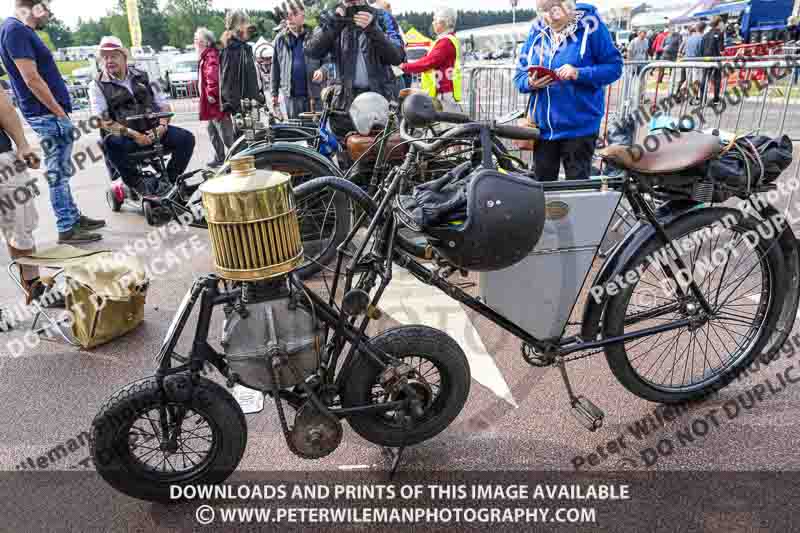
x=239, y=77
x=295, y=74
x=713, y=45
x=362, y=51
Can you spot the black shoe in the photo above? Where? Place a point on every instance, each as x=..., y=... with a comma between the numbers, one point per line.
x=49, y=298
x=78, y=236
x=90, y=224
x=6, y=324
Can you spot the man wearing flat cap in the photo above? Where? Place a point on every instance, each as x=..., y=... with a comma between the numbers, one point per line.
x=121, y=91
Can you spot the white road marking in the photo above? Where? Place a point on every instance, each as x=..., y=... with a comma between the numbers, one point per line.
x=409, y=301
x=349, y=468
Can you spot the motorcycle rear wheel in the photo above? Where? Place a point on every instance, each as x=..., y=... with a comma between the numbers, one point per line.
x=131, y=416
x=733, y=289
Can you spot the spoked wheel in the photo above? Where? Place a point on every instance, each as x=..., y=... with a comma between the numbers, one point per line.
x=440, y=378
x=741, y=280
x=324, y=216
x=143, y=442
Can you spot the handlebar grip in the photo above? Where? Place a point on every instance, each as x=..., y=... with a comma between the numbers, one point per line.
x=517, y=133
x=151, y=116
x=453, y=118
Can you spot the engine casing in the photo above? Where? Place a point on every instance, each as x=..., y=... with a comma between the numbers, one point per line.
x=247, y=340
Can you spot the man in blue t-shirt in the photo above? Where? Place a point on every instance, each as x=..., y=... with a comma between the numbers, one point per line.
x=45, y=103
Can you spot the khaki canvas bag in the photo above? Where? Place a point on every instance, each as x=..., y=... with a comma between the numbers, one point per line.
x=106, y=298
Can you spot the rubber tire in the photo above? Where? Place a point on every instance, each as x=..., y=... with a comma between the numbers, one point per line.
x=124, y=408
x=791, y=301
x=111, y=200
x=341, y=205
x=149, y=215
x=616, y=355
x=399, y=342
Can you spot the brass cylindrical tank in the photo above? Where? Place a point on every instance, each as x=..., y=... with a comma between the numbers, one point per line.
x=252, y=221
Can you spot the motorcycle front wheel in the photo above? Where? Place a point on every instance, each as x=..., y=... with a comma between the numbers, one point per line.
x=143, y=442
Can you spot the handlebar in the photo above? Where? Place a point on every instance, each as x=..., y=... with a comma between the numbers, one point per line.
x=151, y=116
x=453, y=118
x=517, y=133
x=470, y=128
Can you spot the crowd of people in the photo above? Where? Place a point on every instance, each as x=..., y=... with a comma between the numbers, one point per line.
x=357, y=48
x=701, y=40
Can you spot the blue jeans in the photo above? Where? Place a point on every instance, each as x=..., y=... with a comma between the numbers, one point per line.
x=177, y=141
x=56, y=140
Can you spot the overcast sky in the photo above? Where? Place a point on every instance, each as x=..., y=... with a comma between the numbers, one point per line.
x=70, y=10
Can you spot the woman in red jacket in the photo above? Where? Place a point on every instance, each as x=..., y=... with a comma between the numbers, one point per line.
x=220, y=126
x=441, y=67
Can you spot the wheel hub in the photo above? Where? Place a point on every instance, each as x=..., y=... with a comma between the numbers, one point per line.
x=695, y=314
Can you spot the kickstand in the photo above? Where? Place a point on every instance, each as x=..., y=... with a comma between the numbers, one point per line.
x=393, y=457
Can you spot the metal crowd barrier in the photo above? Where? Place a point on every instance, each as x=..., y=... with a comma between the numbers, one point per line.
x=491, y=92
x=759, y=97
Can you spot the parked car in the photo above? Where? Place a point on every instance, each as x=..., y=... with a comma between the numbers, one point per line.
x=84, y=76
x=183, y=75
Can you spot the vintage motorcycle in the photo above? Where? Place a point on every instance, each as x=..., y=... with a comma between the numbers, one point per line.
x=406, y=385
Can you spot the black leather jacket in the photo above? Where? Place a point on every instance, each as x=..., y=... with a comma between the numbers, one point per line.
x=238, y=76
x=340, y=39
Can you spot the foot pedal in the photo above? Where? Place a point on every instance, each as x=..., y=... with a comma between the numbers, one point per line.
x=587, y=413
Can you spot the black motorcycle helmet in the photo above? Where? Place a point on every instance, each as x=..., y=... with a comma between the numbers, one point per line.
x=505, y=220
x=505, y=212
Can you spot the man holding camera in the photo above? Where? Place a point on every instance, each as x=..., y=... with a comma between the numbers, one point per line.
x=363, y=52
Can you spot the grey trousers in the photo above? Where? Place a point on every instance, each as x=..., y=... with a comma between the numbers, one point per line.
x=222, y=137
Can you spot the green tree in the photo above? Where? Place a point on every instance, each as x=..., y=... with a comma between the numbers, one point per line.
x=152, y=21
x=118, y=26
x=46, y=39
x=185, y=16
x=467, y=20
x=59, y=33
x=89, y=32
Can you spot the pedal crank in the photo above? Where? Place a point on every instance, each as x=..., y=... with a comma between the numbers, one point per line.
x=535, y=358
x=588, y=414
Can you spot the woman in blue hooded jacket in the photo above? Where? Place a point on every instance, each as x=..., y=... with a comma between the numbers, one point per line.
x=571, y=40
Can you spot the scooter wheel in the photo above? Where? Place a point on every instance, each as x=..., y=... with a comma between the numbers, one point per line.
x=149, y=213
x=112, y=201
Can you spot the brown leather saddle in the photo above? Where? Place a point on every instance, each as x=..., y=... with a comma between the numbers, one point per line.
x=674, y=154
